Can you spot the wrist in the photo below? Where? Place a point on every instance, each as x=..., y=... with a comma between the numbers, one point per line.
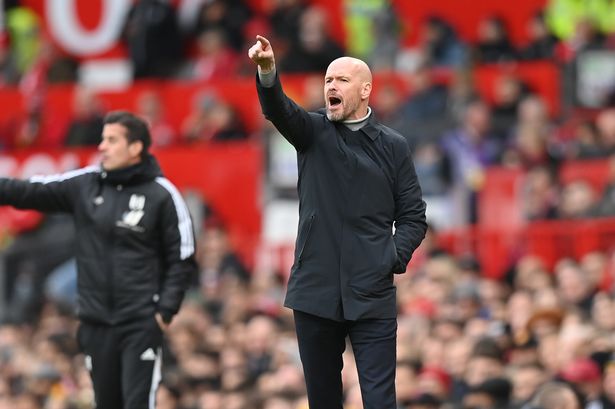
x=266, y=69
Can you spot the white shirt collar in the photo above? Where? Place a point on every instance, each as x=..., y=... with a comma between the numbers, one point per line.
x=356, y=121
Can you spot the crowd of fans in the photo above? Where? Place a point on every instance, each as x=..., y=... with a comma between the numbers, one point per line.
x=465, y=340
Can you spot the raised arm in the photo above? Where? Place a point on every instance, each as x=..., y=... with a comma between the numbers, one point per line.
x=293, y=122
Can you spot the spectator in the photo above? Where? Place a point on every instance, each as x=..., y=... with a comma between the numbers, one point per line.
x=528, y=149
x=555, y=395
x=575, y=289
x=601, y=312
x=542, y=42
x=405, y=381
x=425, y=107
x=585, y=37
x=372, y=32
x=440, y=46
x=586, y=142
x=509, y=92
x=485, y=362
x=25, y=34
x=544, y=321
x=86, y=125
x=492, y=393
x=584, y=375
x=315, y=49
x=577, y=200
x=533, y=113
x=540, y=194
x=433, y=168
x=60, y=67
x=215, y=59
x=530, y=142
x=434, y=381
x=470, y=148
x=461, y=91
x=526, y=379
x=457, y=355
x=212, y=120
x=217, y=260
x=152, y=36
x=151, y=108
x=227, y=16
x=388, y=100
x=493, y=44
x=284, y=17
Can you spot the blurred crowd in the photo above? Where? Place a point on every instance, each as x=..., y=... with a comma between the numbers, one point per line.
x=465, y=340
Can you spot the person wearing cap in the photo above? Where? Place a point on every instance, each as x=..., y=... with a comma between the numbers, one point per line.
x=584, y=374
x=134, y=252
x=356, y=181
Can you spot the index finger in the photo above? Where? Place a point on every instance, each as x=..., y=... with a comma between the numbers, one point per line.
x=265, y=43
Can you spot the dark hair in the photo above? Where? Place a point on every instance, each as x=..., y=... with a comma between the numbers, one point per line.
x=137, y=128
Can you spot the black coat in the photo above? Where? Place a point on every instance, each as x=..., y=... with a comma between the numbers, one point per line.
x=134, y=237
x=353, y=186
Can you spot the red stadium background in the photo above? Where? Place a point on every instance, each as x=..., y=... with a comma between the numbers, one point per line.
x=229, y=178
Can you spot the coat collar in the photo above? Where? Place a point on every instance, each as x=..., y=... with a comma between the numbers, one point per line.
x=146, y=170
x=371, y=128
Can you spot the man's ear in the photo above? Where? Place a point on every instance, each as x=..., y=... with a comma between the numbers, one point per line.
x=135, y=148
x=366, y=90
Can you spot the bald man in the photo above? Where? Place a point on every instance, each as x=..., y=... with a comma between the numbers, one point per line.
x=555, y=395
x=356, y=181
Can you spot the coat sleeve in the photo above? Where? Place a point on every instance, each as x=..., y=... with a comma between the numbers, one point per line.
x=177, y=236
x=54, y=193
x=293, y=122
x=410, y=221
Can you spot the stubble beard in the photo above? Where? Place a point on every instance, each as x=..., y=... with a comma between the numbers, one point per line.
x=335, y=117
x=340, y=115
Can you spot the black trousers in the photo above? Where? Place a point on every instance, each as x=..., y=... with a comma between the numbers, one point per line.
x=321, y=344
x=124, y=362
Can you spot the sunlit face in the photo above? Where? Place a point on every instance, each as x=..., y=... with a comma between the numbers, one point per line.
x=116, y=151
x=347, y=88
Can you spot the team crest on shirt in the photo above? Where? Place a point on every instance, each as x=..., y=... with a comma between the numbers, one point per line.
x=132, y=217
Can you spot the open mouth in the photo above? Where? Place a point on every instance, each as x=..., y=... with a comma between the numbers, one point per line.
x=334, y=101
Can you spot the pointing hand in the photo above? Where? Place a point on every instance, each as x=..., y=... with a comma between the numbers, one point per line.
x=262, y=54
